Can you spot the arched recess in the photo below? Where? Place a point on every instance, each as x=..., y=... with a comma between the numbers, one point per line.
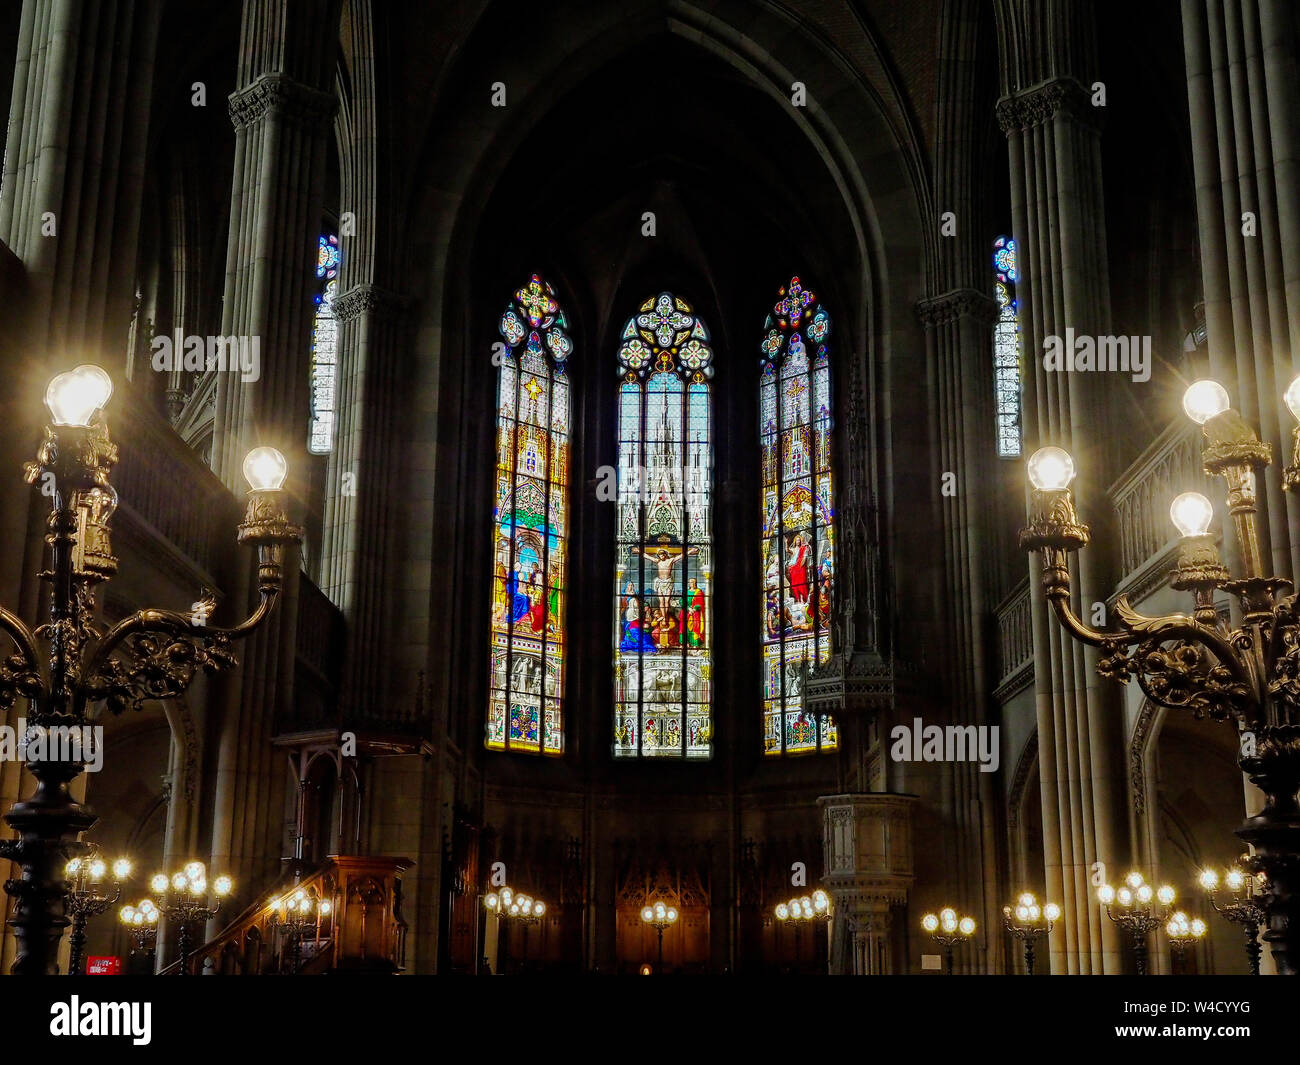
x=1188, y=798
x=466, y=153
x=869, y=172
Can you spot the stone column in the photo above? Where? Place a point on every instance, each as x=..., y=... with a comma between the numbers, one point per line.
x=1058, y=221
x=1243, y=94
x=867, y=855
x=281, y=110
x=959, y=355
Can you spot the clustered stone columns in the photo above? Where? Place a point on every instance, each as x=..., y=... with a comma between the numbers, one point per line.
x=959, y=355
x=359, y=508
x=1058, y=221
x=74, y=161
x=1243, y=92
x=281, y=110
x=867, y=858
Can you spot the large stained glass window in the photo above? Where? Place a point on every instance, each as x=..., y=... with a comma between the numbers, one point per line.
x=1006, y=347
x=530, y=525
x=324, y=347
x=798, y=556
x=663, y=623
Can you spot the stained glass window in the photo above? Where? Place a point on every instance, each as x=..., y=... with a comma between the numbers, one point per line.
x=798, y=555
x=663, y=617
x=1006, y=347
x=530, y=522
x=324, y=347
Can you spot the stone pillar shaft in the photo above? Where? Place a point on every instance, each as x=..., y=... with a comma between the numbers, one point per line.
x=1059, y=225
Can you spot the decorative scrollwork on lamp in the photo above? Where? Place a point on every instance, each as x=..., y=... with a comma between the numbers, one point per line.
x=66, y=666
x=1249, y=675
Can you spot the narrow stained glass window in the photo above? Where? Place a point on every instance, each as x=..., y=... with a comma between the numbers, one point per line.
x=663, y=623
x=1006, y=347
x=530, y=526
x=324, y=348
x=798, y=555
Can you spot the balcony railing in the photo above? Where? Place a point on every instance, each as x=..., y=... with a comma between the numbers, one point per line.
x=1141, y=496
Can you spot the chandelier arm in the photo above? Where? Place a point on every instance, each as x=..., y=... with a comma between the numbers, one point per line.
x=1182, y=627
x=1076, y=626
x=22, y=637
x=174, y=623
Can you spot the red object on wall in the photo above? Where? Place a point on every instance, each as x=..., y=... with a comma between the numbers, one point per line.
x=103, y=966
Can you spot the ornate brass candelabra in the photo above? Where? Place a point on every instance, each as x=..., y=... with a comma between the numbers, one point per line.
x=659, y=917
x=88, y=897
x=947, y=929
x=1183, y=933
x=810, y=909
x=1249, y=676
x=299, y=915
x=1131, y=907
x=67, y=666
x=1242, y=906
x=183, y=898
x=517, y=908
x=1028, y=922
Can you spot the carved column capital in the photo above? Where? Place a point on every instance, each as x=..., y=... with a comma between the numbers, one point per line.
x=1042, y=103
x=363, y=298
x=279, y=94
x=959, y=303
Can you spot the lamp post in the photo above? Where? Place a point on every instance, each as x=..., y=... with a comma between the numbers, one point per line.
x=68, y=665
x=1131, y=908
x=183, y=898
x=658, y=916
x=1182, y=934
x=1242, y=905
x=1028, y=922
x=512, y=906
x=141, y=924
x=300, y=914
x=87, y=898
x=1249, y=676
x=805, y=910
x=947, y=929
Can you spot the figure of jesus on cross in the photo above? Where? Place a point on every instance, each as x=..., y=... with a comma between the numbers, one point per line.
x=664, y=558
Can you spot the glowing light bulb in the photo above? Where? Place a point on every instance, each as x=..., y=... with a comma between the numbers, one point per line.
x=1165, y=895
x=121, y=869
x=1235, y=880
x=194, y=870
x=1106, y=894
x=265, y=469
x=1292, y=398
x=159, y=883
x=1134, y=880
x=1144, y=893
x=180, y=881
x=1204, y=399
x=966, y=926
x=1198, y=927
x=72, y=868
x=672, y=915
x=1191, y=514
x=1051, y=911
x=1022, y=914
x=1125, y=896
x=1050, y=469
x=1210, y=879
x=649, y=915
x=930, y=922
x=97, y=869
x=539, y=908
x=325, y=908
x=491, y=901
x=75, y=396
x=1027, y=899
